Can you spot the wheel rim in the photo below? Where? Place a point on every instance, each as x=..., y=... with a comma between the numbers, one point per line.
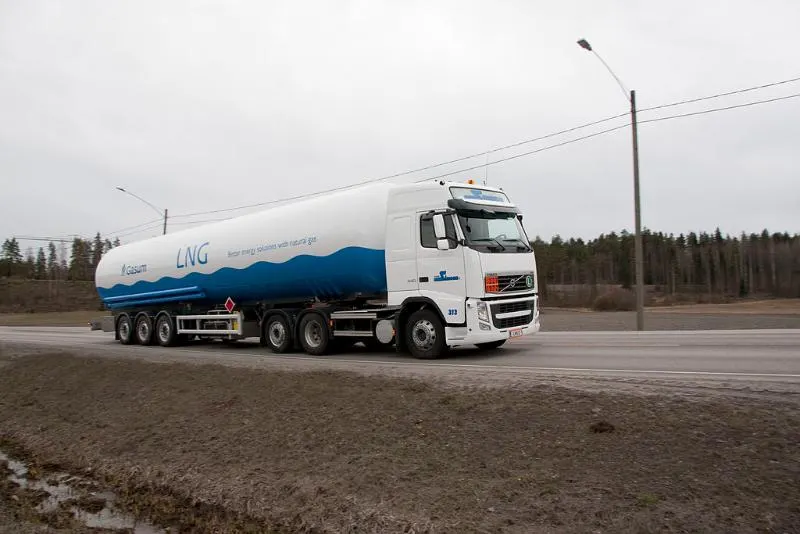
x=313, y=334
x=277, y=334
x=124, y=330
x=424, y=334
x=164, y=330
x=143, y=329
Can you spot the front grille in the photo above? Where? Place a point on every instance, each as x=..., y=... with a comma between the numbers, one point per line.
x=510, y=283
x=509, y=307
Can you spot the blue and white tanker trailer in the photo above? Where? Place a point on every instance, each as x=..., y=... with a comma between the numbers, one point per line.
x=421, y=267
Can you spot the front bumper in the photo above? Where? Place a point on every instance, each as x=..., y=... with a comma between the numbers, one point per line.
x=504, y=319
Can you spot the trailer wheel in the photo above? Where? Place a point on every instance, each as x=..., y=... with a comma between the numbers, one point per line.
x=144, y=329
x=277, y=334
x=125, y=329
x=314, y=334
x=425, y=335
x=165, y=330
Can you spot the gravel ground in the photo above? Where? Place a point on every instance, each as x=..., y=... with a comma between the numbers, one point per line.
x=204, y=447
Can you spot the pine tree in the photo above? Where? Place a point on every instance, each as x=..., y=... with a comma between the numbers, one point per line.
x=41, y=265
x=97, y=251
x=52, y=261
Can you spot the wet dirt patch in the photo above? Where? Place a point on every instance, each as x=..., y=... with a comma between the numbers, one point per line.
x=63, y=501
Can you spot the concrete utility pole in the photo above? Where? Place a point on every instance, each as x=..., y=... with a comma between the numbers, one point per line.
x=158, y=210
x=637, y=239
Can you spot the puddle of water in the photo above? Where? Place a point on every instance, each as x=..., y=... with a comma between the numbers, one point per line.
x=62, y=487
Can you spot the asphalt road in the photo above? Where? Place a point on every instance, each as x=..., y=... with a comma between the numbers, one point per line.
x=756, y=357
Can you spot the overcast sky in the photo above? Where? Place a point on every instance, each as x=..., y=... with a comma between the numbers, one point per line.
x=204, y=105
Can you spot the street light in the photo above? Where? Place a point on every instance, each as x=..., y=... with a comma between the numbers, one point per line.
x=158, y=210
x=637, y=239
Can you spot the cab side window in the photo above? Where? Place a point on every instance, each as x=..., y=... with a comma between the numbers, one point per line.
x=428, y=236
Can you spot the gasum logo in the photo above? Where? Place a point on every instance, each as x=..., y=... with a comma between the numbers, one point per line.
x=443, y=277
x=129, y=270
x=529, y=281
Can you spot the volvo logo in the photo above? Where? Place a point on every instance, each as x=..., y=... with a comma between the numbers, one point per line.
x=518, y=282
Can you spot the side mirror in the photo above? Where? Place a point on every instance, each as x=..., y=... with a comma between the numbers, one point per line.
x=438, y=227
x=440, y=232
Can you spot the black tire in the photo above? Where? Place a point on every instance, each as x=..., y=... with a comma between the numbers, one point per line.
x=425, y=337
x=278, y=334
x=165, y=331
x=125, y=329
x=143, y=331
x=491, y=345
x=314, y=334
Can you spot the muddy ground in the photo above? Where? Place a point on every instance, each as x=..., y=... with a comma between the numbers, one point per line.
x=203, y=446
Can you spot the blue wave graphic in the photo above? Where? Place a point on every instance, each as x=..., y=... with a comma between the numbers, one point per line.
x=346, y=272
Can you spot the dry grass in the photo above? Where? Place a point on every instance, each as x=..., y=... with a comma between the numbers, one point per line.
x=336, y=452
x=617, y=299
x=37, y=296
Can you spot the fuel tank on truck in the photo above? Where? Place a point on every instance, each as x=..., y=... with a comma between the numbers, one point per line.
x=329, y=246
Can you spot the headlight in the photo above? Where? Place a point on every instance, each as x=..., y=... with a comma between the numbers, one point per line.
x=483, y=311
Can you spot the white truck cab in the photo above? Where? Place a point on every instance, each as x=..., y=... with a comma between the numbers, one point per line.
x=462, y=249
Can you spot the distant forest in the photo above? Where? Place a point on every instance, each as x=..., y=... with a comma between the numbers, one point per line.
x=692, y=267
x=703, y=266
x=53, y=262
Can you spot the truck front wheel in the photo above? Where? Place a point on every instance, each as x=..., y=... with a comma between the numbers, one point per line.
x=425, y=336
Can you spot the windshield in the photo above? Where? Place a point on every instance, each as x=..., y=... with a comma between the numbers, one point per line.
x=497, y=232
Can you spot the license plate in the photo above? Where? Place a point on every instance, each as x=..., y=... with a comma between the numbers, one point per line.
x=515, y=333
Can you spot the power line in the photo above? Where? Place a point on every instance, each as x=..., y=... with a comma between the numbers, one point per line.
x=200, y=221
x=713, y=110
x=550, y=147
x=114, y=233
x=719, y=95
x=153, y=226
x=53, y=239
x=411, y=171
x=498, y=149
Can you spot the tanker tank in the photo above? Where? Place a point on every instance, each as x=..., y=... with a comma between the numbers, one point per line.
x=327, y=247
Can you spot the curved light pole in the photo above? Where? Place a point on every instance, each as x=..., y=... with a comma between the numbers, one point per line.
x=159, y=211
x=637, y=239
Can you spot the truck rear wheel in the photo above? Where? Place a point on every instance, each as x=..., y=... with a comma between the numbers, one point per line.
x=144, y=329
x=425, y=336
x=314, y=334
x=125, y=329
x=165, y=331
x=278, y=334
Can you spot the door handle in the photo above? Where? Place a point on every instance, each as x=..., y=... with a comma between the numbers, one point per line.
x=423, y=279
